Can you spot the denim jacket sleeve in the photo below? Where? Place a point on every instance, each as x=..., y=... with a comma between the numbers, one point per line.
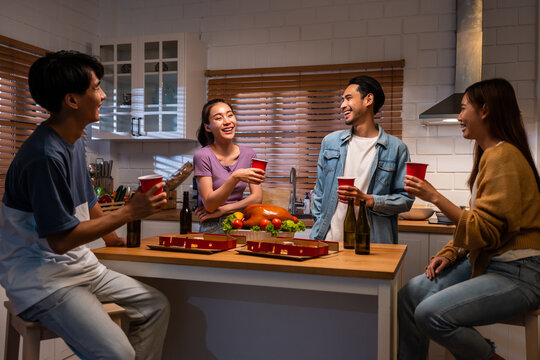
x=397, y=200
x=318, y=191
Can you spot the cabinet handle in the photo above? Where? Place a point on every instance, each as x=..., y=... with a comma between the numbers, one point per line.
x=131, y=130
x=139, y=126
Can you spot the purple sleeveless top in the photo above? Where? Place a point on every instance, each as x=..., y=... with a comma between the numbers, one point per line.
x=207, y=164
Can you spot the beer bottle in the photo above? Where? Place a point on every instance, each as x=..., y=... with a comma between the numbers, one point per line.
x=133, y=238
x=185, y=215
x=361, y=243
x=349, y=226
x=133, y=234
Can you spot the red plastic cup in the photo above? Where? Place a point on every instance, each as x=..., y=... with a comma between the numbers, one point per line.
x=147, y=181
x=259, y=164
x=345, y=181
x=417, y=169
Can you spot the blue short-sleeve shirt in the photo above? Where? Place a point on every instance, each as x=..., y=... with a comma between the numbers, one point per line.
x=48, y=190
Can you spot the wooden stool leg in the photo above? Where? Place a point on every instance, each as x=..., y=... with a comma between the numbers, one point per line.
x=448, y=355
x=117, y=319
x=532, y=342
x=117, y=314
x=31, y=342
x=11, y=351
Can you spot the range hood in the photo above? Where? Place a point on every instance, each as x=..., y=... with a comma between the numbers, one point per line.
x=468, y=62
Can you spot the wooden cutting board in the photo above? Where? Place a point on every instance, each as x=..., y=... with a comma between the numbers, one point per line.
x=179, y=176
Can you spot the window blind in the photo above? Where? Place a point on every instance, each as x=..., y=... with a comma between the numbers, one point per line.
x=283, y=113
x=19, y=115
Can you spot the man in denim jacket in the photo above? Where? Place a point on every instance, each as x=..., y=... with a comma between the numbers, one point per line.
x=370, y=148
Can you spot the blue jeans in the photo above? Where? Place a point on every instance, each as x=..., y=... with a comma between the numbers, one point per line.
x=446, y=308
x=214, y=226
x=76, y=315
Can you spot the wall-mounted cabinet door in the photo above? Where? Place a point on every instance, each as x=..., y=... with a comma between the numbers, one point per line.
x=163, y=88
x=147, y=80
x=118, y=59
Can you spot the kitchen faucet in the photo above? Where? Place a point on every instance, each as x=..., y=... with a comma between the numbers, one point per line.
x=293, y=203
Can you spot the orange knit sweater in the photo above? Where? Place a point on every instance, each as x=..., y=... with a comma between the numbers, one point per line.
x=506, y=213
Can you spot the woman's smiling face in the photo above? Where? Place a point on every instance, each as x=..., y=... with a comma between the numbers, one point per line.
x=222, y=122
x=471, y=119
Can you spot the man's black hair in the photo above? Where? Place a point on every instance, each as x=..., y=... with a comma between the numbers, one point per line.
x=56, y=74
x=368, y=85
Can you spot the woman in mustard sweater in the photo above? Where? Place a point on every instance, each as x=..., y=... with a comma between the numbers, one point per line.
x=490, y=271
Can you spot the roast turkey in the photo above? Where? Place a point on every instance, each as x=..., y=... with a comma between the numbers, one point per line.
x=253, y=214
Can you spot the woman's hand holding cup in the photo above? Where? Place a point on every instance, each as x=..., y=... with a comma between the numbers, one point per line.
x=420, y=188
x=250, y=175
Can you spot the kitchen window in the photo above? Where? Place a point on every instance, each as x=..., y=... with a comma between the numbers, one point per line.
x=283, y=113
x=19, y=114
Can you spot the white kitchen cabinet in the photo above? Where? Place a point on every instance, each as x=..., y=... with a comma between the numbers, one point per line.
x=437, y=242
x=417, y=253
x=155, y=87
x=420, y=248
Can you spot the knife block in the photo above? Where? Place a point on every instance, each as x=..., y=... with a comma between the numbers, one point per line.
x=171, y=200
x=106, y=181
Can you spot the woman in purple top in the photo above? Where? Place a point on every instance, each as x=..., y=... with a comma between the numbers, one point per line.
x=222, y=168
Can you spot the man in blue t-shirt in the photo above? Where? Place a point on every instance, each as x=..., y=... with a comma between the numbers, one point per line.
x=49, y=213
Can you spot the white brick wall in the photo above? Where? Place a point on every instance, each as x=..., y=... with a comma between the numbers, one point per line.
x=264, y=33
x=53, y=25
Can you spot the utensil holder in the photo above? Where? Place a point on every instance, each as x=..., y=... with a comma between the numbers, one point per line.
x=106, y=181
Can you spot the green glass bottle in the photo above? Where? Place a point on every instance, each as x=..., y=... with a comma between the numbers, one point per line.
x=361, y=242
x=349, y=226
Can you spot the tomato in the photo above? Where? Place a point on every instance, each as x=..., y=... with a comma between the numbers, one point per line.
x=263, y=224
x=277, y=223
x=295, y=219
x=237, y=224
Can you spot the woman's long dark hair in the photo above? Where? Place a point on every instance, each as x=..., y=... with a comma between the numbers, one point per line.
x=503, y=119
x=206, y=138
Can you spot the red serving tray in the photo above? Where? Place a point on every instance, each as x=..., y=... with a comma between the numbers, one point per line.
x=200, y=241
x=287, y=248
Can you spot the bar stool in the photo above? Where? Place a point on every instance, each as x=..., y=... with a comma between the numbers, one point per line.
x=32, y=332
x=532, y=339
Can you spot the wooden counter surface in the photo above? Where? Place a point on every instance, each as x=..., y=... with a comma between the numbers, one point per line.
x=383, y=262
x=403, y=225
x=425, y=227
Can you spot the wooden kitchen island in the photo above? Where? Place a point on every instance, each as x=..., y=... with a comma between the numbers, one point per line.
x=274, y=305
